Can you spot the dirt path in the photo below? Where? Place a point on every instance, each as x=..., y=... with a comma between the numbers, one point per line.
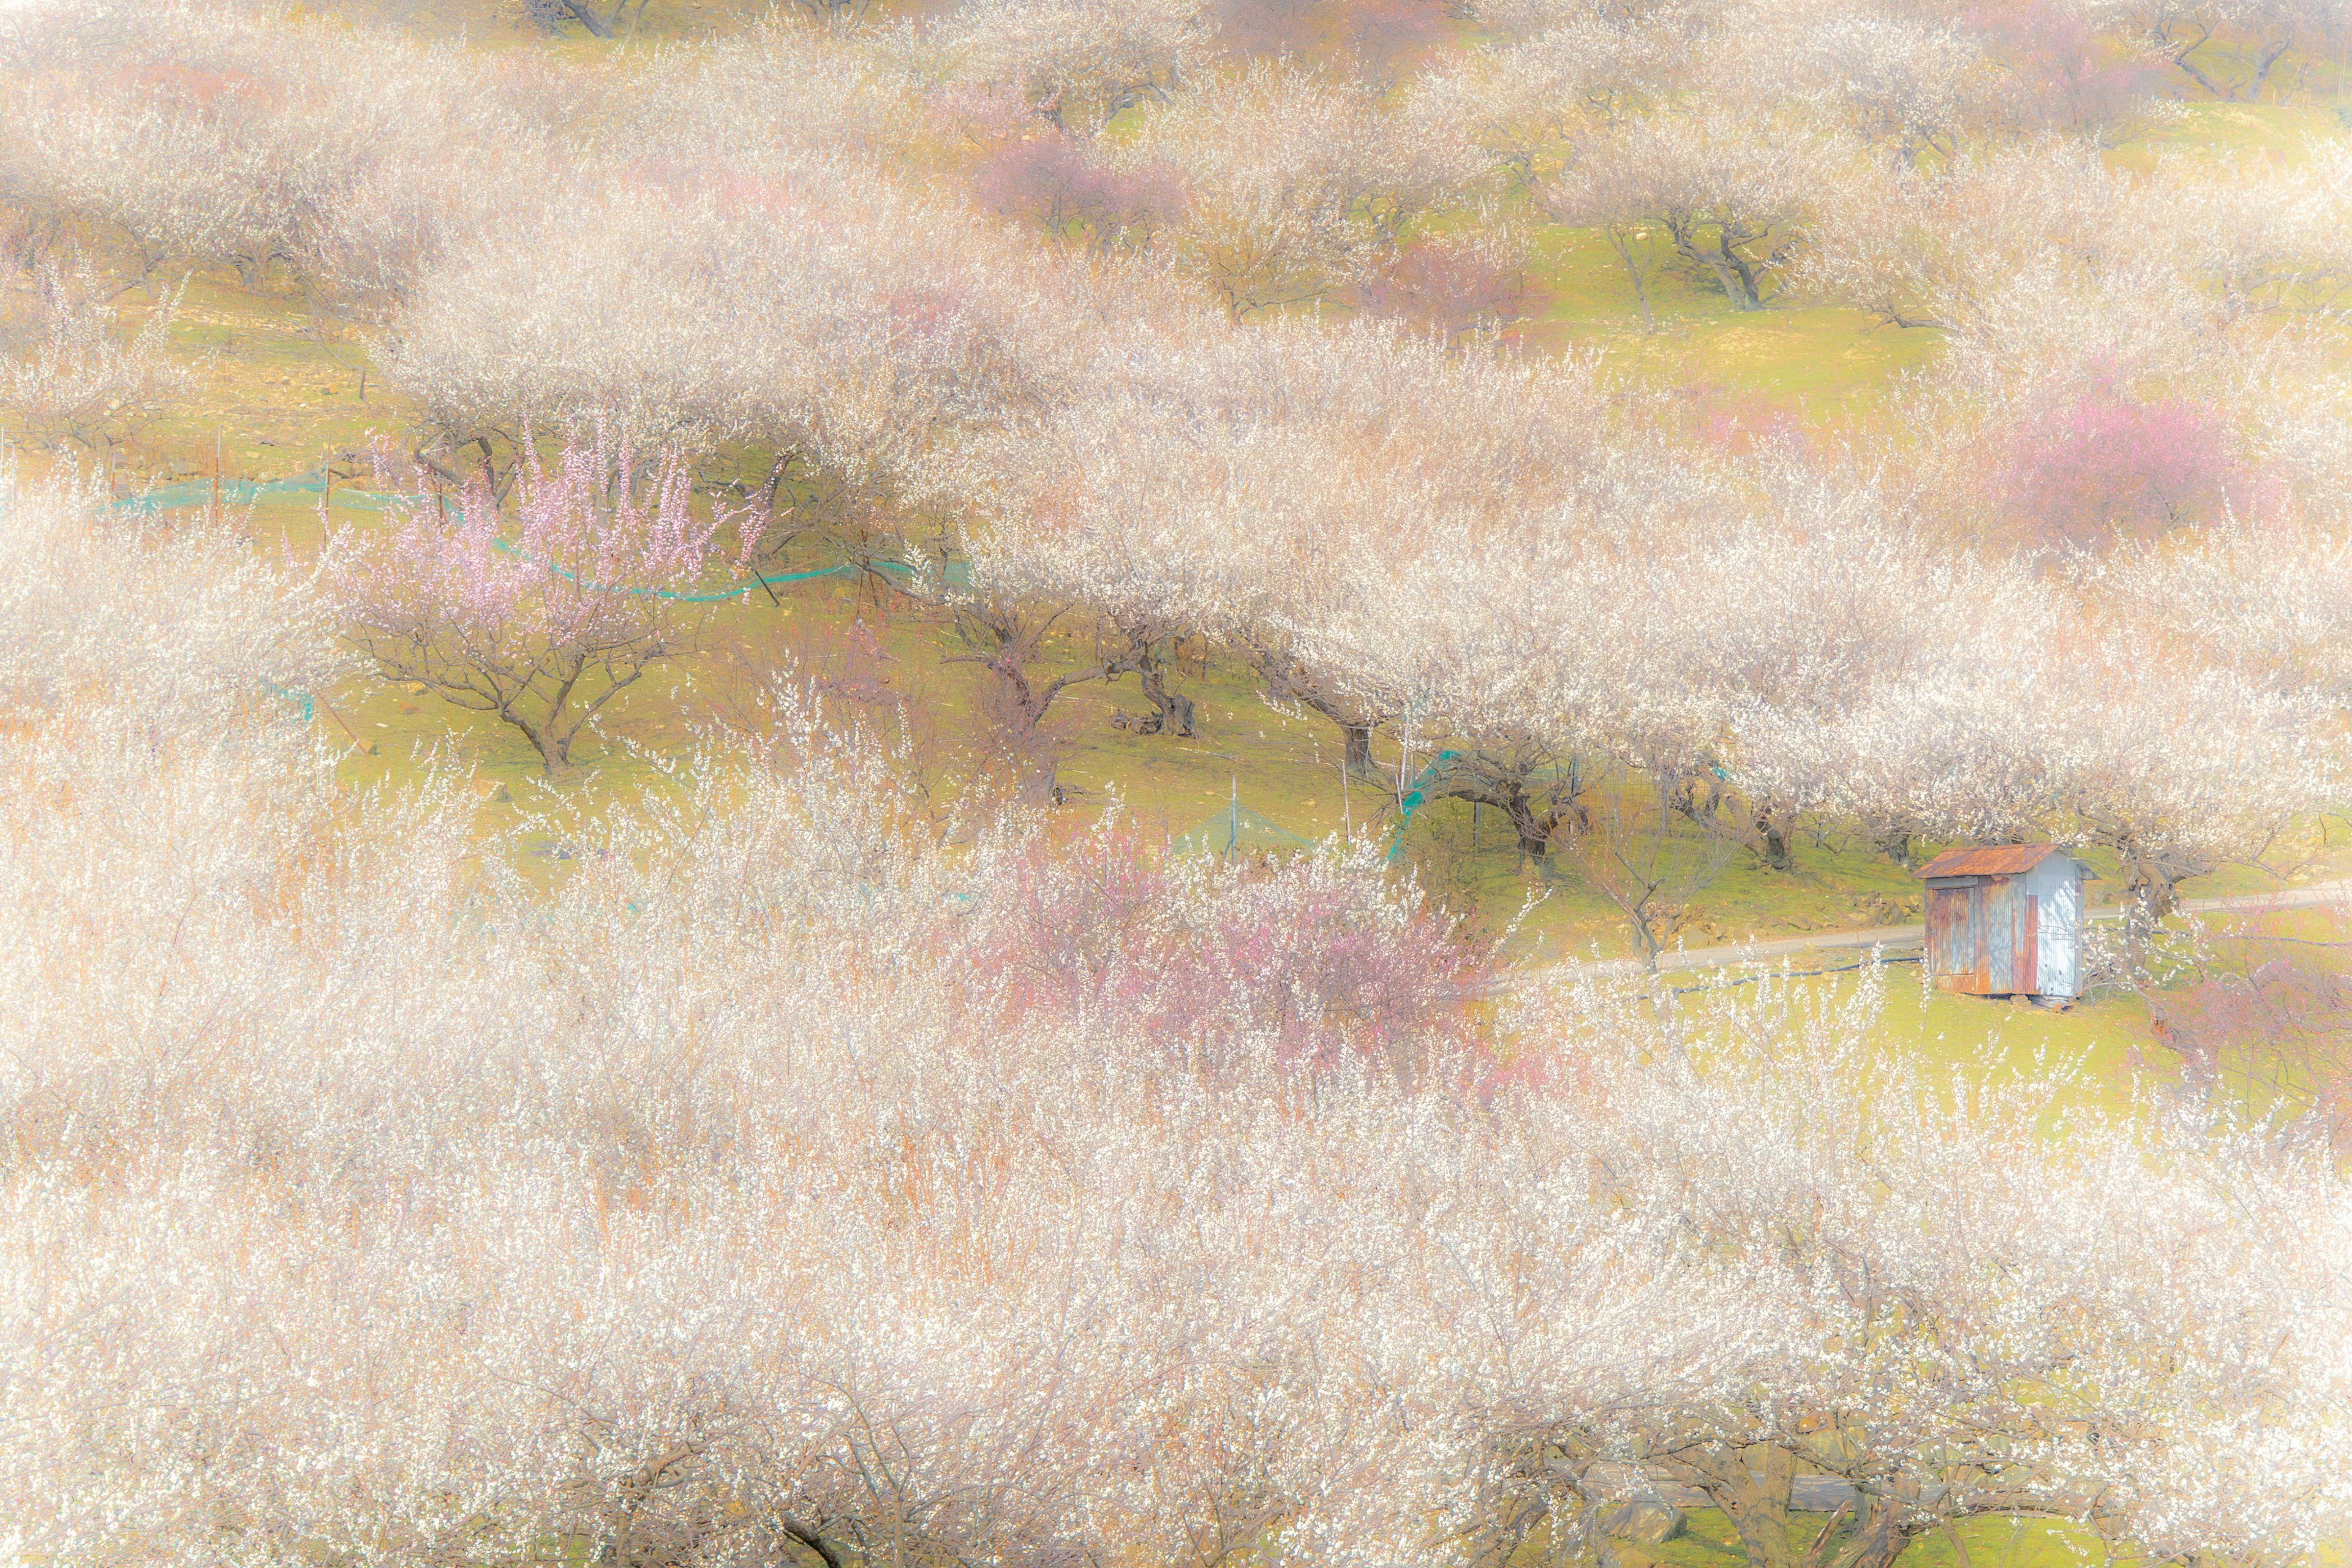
x=1809, y=1494
x=1912, y=935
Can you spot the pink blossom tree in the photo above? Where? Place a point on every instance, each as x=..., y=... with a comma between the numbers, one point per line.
x=2062, y=75
x=1202, y=959
x=2103, y=465
x=1051, y=181
x=2261, y=1010
x=540, y=620
x=1457, y=283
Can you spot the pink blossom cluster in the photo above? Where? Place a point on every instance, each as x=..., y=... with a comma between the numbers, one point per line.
x=593, y=576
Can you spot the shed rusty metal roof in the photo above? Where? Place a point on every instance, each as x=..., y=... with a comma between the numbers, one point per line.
x=1999, y=860
x=1996, y=861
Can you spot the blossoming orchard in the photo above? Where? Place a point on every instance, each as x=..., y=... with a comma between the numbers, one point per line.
x=1155, y=784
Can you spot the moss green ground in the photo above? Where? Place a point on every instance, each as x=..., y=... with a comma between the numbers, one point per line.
x=1993, y=1541
x=1709, y=1541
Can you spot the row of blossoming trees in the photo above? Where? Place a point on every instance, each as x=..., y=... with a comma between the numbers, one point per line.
x=2045, y=606
x=791, y=1188
x=2042, y=597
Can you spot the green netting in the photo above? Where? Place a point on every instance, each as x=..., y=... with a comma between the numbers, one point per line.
x=296, y=695
x=1416, y=797
x=958, y=574
x=248, y=492
x=1237, y=830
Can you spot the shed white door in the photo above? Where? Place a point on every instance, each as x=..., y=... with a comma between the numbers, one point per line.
x=2057, y=886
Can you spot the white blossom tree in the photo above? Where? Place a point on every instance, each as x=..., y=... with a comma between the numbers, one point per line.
x=1296, y=184
x=2229, y=47
x=1726, y=200
x=71, y=374
x=1080, y=63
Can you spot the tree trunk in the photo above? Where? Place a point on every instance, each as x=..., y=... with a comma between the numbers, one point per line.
x=1738, y=278
x=554, y=750
x=1756, y=1502
x=1646, y=935
x=1535, y=840
x=2180, y=57
x=2151, y=894
x=2262, y=72
x=1286, y=681
x=1533, y=829
x=1625, y=255
x=1018, y=706
x=1879, y=1537
x=1175, y=709
x=588, y=19
x=1731, y=270
x=1685, y=799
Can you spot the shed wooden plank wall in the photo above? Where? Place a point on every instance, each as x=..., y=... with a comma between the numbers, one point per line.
x=2057, y=887
x=1956, y=935
x=1997, y=966
x=1940, y=905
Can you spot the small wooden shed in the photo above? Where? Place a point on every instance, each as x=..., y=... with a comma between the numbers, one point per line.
x=2006, y=920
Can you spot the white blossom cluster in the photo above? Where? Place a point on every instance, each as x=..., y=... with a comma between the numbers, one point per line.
x=67, y=374
x=789, y=1187
x=1455, y=543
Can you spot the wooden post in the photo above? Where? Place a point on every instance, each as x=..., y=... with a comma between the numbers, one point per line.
x=365, y=747
x=2029, y=962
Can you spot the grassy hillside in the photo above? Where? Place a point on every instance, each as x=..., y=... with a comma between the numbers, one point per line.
x=280, y=393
